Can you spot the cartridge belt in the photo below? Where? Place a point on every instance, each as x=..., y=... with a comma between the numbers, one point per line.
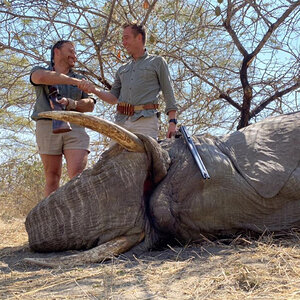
x=129, y=109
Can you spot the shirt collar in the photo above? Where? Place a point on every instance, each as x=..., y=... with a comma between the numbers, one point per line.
x=141, y=57
x=71, y=73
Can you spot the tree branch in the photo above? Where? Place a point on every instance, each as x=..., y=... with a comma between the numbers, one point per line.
x=274, y=26
x=221, y=95
x=107, y=24
x=277, y=95
x=230, y=101
x=2, y=46
x=151, y=7
x=231, y=32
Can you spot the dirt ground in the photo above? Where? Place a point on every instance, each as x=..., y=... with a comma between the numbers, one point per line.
x=243, y=268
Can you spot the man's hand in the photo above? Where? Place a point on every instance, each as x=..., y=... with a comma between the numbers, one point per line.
x=69, y=103
x=86, y=86
x=63, y=101
x=172, y=130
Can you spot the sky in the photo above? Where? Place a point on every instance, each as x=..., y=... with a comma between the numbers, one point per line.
x=218, y=132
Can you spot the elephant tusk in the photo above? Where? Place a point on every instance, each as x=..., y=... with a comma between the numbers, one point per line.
x=95, y=255
x=125, y=138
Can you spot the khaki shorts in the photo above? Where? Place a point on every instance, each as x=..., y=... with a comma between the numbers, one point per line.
x=147, y=126
x=55, y=143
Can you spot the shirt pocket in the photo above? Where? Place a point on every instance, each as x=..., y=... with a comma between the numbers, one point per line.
x=148, y=73
x=124, y=73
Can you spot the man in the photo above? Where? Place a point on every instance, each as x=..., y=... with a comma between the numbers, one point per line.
x=137, y=86
x=74, y=145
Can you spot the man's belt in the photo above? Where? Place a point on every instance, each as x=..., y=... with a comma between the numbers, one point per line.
x=129, y=109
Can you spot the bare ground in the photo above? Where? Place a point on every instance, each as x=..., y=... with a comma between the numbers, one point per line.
x=243, y=268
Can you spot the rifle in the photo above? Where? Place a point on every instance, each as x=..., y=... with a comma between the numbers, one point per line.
x=57, y=125
x=194, y=153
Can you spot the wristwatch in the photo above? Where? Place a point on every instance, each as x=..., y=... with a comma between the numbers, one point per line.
x=72, y=104
x=173, y=121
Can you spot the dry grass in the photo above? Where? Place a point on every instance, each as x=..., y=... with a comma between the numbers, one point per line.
x=244, y=268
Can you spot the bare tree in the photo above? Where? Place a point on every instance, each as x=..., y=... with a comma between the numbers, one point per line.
x=230, y=64
x=264, y=33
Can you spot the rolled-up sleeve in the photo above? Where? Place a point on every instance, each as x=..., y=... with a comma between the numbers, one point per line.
x=32, y=71
x=116, y=87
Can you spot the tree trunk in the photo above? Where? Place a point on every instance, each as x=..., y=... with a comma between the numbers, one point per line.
x=247, y=91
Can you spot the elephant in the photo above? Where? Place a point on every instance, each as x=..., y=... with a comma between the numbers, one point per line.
x=142, y=193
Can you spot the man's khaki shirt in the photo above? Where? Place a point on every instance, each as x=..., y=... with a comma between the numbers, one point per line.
x=140, y=81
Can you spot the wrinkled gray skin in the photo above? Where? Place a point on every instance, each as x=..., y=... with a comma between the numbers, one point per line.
x=254, y=185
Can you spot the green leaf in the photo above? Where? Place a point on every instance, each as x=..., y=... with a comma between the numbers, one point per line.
x=218, y=11
x=152, y=39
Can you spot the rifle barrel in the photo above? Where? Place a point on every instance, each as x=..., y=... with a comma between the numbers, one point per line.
x=194, y=153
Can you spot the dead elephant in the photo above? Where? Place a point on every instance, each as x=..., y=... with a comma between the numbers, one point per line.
x=254, y=185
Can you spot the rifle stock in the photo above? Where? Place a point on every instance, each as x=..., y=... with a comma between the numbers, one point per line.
x=57, y=125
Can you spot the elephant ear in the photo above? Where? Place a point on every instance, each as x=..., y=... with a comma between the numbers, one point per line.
x=266, y=153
